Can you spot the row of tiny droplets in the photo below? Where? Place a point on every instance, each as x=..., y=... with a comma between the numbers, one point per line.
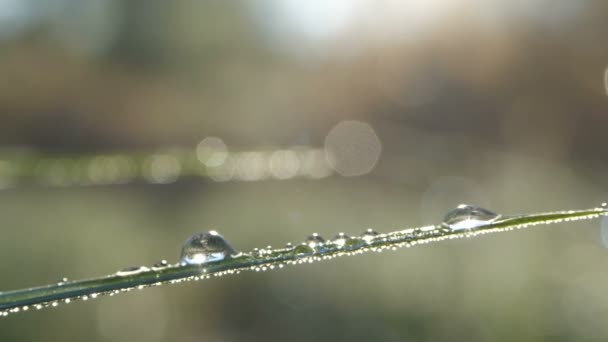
x=315, y=248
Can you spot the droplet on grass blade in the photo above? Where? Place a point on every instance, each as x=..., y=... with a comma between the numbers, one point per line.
x=314, y=240
x=205, y=247
x=467, y=216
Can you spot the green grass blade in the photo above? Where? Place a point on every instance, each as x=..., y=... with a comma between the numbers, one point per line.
x=261, y=260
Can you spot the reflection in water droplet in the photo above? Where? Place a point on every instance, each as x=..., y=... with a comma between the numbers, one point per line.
x=205, y=247
x=468, y=216
x=315, y=240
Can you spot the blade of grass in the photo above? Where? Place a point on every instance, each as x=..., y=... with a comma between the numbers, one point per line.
x=66, y=292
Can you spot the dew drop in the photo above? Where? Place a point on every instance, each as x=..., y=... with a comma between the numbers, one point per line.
x=354, y=242
x=161, y=264
x=132, y=270
x=205, y=247
x=241, y=257
x=368, y=235
x=315, y=240
x=340, y=239
x=467, y=216
x=303, y=249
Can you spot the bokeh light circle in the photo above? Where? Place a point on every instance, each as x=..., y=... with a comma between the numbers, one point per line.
x=352, y=148
x=212, y=151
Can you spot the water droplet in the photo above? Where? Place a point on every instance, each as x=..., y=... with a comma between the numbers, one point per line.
x=289, y=245
x=368, y=235
x=161, y=264
x=241, y=257
x=315, y=240
x=604, y=205
x=468, y=216
x=205, y=247
x=340, y=239
x=303, y=249
x=354, y=242
x=132, y=270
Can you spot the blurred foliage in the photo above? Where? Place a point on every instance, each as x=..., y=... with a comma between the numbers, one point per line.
x=496, y=103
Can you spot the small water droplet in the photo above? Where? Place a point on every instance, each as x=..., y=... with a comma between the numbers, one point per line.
x=161, y=264
x=604, y=205
x=289, y=245
x=340, y=239
x=205, y=247
x=355, y=242
x=468, y=216
x=368, y=235
x=303, y=249
x=315, y=240
x=241, y=257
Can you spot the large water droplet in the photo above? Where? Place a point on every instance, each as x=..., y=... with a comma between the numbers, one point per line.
x=205, y=247
x=467, y=216
x=314, y=240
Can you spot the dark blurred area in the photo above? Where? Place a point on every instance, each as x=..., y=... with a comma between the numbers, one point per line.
x=417, y=105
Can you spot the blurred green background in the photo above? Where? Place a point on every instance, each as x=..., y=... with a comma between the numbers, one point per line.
x=419, y=105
